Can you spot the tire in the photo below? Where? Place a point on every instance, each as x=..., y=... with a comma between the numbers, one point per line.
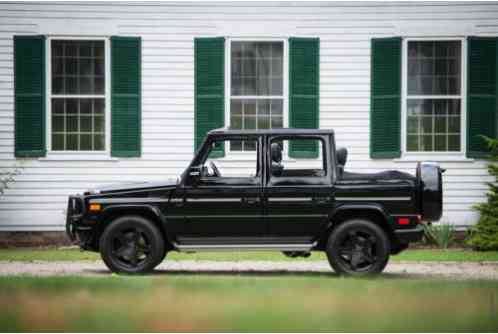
x=132, y=245
x=162, y=257
x=358, y=247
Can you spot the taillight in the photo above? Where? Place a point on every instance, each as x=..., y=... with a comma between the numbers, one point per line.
x=403, y=221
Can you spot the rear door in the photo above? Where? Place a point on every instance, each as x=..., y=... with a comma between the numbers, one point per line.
x=298, y=193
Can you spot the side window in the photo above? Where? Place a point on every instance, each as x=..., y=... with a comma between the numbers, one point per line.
x=281, y=167
x=247, y=168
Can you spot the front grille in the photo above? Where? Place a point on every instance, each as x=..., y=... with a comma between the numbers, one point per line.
x=75, y=210
x=75, y=206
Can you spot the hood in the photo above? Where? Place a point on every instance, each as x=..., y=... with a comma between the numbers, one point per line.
x=135, y=186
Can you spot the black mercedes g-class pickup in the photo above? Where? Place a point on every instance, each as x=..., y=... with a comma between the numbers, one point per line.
x=283, y=203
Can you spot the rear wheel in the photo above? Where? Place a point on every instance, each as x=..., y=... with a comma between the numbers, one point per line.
x=132, y=245
x=358, y=247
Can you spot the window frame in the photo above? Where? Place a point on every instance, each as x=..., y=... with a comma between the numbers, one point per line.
x=462, y=97
x=228, y=84
x=106, y=95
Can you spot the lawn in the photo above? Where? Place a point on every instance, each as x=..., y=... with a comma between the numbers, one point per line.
x=52, y=254
x=279, y=302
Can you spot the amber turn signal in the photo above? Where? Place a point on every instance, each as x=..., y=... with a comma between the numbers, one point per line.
x=95, y=207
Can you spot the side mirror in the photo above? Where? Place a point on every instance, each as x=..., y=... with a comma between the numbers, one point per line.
x=194, y=174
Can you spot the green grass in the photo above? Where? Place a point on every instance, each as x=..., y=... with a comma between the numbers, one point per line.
x=52, y=254
x=248, y=302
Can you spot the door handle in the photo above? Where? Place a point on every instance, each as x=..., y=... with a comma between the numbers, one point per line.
x=178, y=201
x=321, y=200
x=250, y=200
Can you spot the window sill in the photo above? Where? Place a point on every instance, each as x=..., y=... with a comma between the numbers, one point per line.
x=434, y=157
x=52, y=156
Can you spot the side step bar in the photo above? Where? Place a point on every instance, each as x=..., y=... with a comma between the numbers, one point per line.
x=245, y=247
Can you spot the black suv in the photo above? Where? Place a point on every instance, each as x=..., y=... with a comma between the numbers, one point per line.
x=265, y=199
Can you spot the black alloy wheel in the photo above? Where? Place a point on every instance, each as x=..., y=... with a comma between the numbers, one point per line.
x=358, y=248
x=132, y=245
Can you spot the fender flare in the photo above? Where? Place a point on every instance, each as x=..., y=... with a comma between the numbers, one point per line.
x=144, y=207
x=358, y=206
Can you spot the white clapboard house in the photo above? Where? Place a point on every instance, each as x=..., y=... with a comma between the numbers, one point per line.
x=101, y=93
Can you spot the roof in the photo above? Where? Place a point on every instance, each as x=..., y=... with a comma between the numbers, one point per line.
x=282, y=131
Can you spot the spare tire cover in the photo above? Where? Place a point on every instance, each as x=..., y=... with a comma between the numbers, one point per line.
x=430, y=182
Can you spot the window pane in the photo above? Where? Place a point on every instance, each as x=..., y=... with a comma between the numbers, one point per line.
x=72, y=142
x=256, y=68
x=255, y=114
x=72, y=123
x=99, y=142
x=76, y=125
x=263, y=122
x=236, y=145
x=434, y=67
x=86, y=106
x=236, y=107
x=433, y=125
x=86, y=124
x=58, y=123
x=99, y=124
x=264, y=108
x=250, y=122
x=86, y=142
x=412, y=143
x=71, y=85
x=78, y=67
x=440, y=143
x=453, y=143
x=58, y=142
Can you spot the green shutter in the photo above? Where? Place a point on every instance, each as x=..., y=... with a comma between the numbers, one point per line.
x=126, y=90
x=29, y=96
x=304, y=81
x=385, y=98
x=209, y=89
x=482, y=93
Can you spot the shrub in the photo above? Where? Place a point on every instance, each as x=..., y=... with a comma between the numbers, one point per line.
x=441, y=235
x=484, y=235
x=8, y=176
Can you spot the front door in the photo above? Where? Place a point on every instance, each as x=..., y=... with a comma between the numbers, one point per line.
x=225, y=204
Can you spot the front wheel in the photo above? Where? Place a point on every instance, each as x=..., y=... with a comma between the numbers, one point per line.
x=358, y=248
x=132, y=245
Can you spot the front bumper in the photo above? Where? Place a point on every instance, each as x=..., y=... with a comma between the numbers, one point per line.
x=76, y=229
x=410, y=235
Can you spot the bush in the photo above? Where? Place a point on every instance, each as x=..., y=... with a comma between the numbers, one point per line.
x=441, y=235
x=484, y=235
x=7, y=177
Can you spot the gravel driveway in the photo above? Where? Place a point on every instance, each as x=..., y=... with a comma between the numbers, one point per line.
x=453, y=270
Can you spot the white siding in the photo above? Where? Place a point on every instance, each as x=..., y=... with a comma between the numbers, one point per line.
x=37, y=200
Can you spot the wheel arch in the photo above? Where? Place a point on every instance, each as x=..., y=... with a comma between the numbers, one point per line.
x=345, y=212
x=149, y=212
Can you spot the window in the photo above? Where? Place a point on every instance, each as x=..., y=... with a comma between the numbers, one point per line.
x=434, y=96
x=283, y=168
x=256, y=87
x=224, y=169
x=77, y=95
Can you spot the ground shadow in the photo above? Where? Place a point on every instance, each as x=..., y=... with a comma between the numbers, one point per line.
x=256, y=273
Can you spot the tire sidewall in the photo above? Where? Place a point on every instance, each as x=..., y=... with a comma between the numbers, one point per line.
x=149, y=229
x=382, y=247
